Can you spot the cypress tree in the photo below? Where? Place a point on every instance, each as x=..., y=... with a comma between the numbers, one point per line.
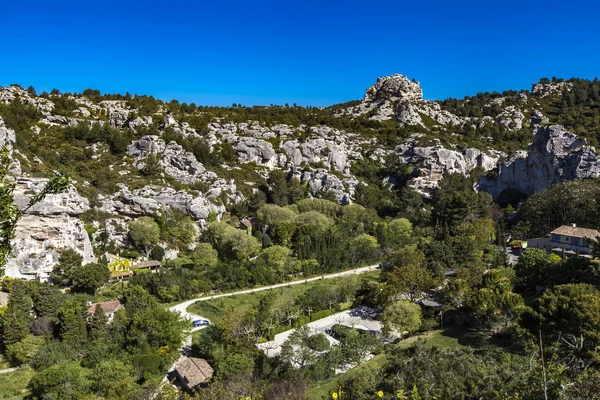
x=46, y=302
x=98, y=323
x=72, y=324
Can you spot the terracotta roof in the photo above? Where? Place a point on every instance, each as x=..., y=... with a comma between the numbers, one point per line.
x=194, y=370
x=575, y=231
x=146, y=264
x=106, y=306
x=246, y=222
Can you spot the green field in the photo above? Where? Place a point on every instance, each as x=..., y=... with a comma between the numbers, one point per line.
x=13, y=385
x=216, y=309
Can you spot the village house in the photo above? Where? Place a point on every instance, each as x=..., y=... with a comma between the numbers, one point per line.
x=568, y=238
x=151, y=265
x=193, y=371
x=109, y=308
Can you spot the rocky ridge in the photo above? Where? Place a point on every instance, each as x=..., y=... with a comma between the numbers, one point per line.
x=319, y=156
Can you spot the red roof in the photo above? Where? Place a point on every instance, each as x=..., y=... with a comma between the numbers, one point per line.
x=106, y=306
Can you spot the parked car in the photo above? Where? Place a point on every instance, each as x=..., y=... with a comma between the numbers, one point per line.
x=200, y=322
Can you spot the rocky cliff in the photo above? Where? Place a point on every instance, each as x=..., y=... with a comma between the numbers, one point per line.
x=207, y=160
x=555, y=155
x=45, y=228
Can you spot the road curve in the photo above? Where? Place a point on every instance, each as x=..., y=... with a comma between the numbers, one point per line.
x=182, y=307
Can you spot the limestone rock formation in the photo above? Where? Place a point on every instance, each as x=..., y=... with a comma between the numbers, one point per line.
x=48, y=226
x=322, y=181
x=554, y=156
x=432, y=162
x=397, y=87
x=147, y=200
x=180, y=164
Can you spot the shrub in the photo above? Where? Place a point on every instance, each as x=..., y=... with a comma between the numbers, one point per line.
x=318, y=342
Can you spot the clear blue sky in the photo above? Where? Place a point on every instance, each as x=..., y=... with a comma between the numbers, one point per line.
x=308, y=52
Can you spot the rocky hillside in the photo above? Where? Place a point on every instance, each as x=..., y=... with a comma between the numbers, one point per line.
x=132, y=156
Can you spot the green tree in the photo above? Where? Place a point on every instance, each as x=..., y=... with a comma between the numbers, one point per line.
x=296, y=351
x=535, y=266
x=363, y=248
x=403, y=316
x=408, y=278
x=63, y=381
x=571, y=310
x=22, y=352
x=145, y=233
x=97, y=324
x=204, y=256
x=17, y=318
x=72, y=323
x=269, y=215
x=398, y=233
x=179, y=230
x=68, y=261
x=90, y=277
x=113, y=379
x=46, y=302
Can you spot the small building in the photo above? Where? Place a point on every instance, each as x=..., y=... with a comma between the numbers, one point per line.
x=109, y=308
x=573, y=239
x=117, y=276
x=193, y=371
x=151, y=265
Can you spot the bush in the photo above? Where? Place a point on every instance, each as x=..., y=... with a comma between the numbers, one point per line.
x=321, y=314
x=318, y=342
x=339, y=332
x=22, y=352
x=157, y=253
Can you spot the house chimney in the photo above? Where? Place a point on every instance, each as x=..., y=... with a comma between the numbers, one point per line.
x=574, y=225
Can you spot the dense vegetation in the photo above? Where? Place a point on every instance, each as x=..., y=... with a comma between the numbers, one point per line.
x=521, y=332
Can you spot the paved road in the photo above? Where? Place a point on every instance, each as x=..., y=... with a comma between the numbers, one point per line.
x=181, y=308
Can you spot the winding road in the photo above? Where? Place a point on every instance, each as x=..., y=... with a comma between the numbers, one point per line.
x=181, y=308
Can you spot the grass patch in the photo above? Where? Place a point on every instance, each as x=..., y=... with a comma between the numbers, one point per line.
x=216, y=309
x=446, y=339
x=13, y=385
x=322, y=391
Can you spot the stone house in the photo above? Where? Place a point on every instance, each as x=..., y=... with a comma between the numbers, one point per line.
x=109, y=308
x=193, y=371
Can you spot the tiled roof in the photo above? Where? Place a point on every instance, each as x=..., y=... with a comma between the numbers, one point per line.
x=194, y=370
x=146, y=264
x=575, y=231
x=106, y=306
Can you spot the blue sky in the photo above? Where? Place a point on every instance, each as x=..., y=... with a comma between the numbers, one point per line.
x=308, y=52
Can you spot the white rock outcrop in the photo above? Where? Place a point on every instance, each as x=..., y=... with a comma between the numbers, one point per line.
x=45, y=228
x=555, y=155
x=175, y=161
x=431, y=162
